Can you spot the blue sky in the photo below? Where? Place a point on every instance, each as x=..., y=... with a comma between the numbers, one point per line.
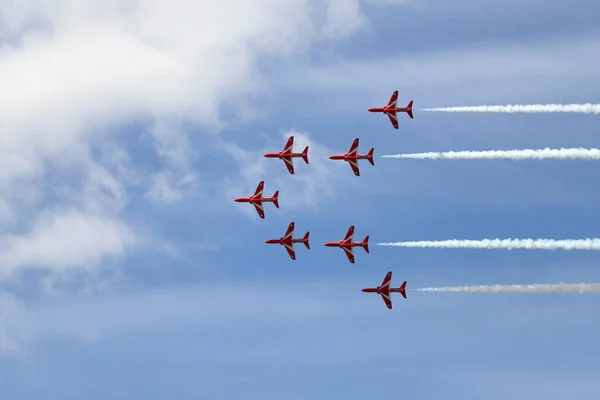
x=127, y=271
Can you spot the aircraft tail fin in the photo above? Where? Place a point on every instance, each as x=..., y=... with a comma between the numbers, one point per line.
x=402, y=289
x=366, y=244
x=305, y=239
x=305, y=155
x=370, y=156
x=409, y=109
x=276, y=199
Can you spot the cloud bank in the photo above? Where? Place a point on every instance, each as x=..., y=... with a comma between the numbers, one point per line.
x=75, y=78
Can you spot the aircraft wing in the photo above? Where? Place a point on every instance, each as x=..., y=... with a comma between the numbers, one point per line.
x=393, y=119
x=387, y=300
x=289, y=145
x=290, y=231
x=259, y=210
x=259, y=189
x=289, y=163
x=354, y=166
x=353, y=148
x=393, y=99
x=350, y=233
x=290, y=250
x=349, y=253
x=387, y=280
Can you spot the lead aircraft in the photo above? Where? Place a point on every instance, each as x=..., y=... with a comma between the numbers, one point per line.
x=390, y=110
x=288, y=156
x=288, y=241
x=347, y=244
x=384, y=290
x=257, y=199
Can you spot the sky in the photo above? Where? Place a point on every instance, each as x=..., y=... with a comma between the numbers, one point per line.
x=127, y=128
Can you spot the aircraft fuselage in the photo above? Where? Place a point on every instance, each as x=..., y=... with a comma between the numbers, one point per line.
x=379, y=290
x=256, y=200
x=343, y=244
x=284, y=155
x=284, y=241
x=383, y=109
x=344, y=157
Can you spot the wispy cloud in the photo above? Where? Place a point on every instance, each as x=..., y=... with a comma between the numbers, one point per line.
x=310, y=183
x=115, y=313
x=74, y=75
x=342, y=18
x=11, y=334
x=63, y=240
x=175, y=149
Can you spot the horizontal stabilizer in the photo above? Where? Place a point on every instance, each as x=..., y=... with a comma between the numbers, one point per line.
x=409, y=109
x=403, y=289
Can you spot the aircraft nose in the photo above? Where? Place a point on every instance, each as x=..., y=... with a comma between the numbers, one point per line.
x=364, y=290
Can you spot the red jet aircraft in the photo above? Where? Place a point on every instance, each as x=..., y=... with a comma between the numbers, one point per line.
x=352, y=157
x=287, y=156
x=257, y=200
x=288, y=241
x=384, y=290
x=347, y=244
x=391, y=109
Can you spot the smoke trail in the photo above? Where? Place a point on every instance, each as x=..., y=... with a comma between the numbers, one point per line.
x=539, y=288
x=530, y=108
x=562, y=154
x=530, y=244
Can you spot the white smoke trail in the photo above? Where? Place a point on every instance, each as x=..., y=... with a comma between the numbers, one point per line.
x=538, y=288
x=530, y=108
x=530, y=244
x=562, y=154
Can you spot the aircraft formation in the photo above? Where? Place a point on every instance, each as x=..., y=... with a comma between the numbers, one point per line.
x=347, y=244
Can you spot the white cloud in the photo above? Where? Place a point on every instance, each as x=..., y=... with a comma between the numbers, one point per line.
x=64, y=240
x=72, y=73
x=310, y=184
x=11, y=334
x=173, y=146
x=161, y=190
x=101, y=65
x=343, y=17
